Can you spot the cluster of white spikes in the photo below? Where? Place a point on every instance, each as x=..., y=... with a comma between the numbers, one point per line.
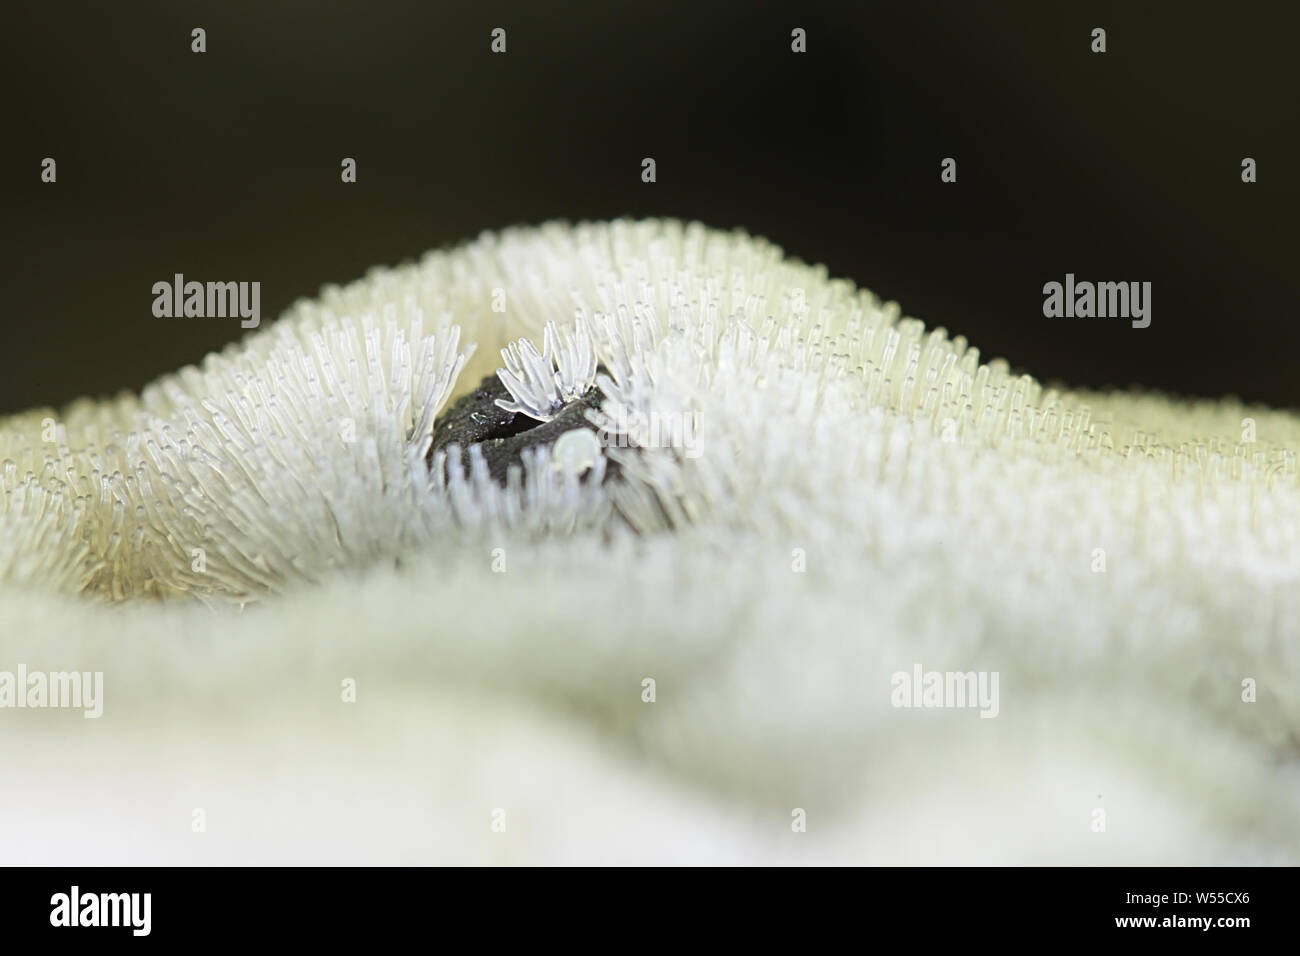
x=282, y=457
x=861, y=494
x=822, y=415
x=541, y=385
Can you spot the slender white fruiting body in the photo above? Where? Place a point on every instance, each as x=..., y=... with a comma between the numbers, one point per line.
x=543, y=384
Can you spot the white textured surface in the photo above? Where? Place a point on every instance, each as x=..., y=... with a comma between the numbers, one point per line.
x=948, y=513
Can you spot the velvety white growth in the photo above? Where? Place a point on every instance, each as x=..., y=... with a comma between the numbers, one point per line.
x=284, y=456
x=798, y=492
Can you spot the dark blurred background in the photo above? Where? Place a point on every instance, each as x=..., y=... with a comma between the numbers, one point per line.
x=225, y=165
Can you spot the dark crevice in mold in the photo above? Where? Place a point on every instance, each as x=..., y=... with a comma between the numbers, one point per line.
x=503, y=436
